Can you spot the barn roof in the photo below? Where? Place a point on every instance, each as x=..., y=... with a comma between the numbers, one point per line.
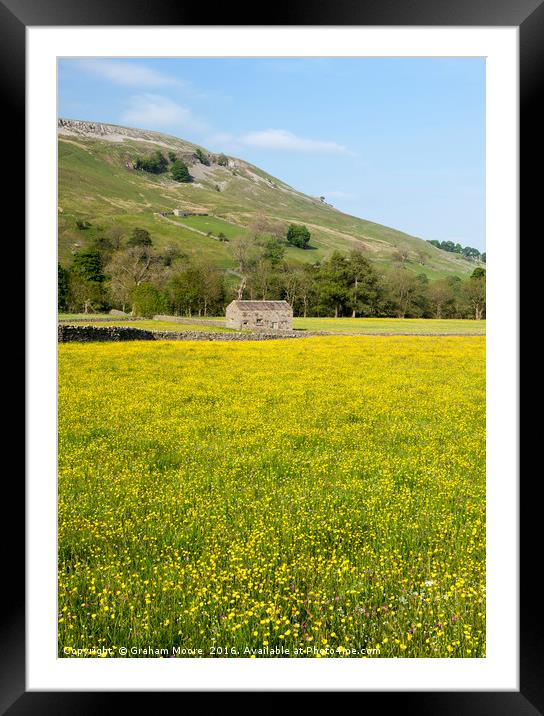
x=261, y=305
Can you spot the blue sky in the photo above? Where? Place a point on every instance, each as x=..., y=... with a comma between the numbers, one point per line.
x=400, y=141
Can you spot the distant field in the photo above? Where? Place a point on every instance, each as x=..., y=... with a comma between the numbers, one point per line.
x=151, y=325
x=391, y=326
x=77, y=316
x=213, y=224
x=364, y=326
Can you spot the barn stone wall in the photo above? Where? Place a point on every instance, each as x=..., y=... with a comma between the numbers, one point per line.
x=255, y=319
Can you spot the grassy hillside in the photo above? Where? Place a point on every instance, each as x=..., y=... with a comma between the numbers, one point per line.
x=97, y=183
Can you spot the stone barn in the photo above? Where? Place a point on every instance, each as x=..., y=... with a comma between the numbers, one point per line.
x=265, y=315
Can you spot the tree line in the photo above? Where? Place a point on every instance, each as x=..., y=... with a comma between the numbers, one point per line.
x=128, y=272
x=469, y=252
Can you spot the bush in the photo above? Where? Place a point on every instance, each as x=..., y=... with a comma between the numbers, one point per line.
x=180, y=172
x=298, y=235
x=155, y=164
x=140, y=237
x=202, y=157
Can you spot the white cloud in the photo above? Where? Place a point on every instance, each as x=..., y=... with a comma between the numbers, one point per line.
x=151, y=111
x=283, y=140
x=129, y=74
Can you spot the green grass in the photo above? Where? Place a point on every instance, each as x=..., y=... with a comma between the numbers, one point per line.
x=391, y=325
x=86, y=316
x=362, y=326
x=170, y=326
x=95, y=185
x=213, y=224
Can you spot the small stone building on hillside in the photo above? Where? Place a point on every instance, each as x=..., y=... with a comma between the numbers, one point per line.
x=260, y=315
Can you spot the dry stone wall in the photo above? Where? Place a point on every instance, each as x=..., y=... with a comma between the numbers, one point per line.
x=87, y=334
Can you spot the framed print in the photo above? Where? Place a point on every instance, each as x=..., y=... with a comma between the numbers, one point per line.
x=272, y=427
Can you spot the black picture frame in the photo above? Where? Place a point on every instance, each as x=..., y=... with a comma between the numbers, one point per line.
x=15, y=17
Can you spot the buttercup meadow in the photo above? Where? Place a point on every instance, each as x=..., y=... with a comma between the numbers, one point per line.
x=320, y=498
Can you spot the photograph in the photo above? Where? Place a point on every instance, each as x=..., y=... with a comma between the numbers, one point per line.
x=271, y=296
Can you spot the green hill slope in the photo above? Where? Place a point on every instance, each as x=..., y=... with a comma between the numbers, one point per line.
x=98, y=184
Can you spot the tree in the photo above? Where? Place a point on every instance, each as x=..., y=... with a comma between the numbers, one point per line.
x=212, y=294
x=262, y=227
x=458, y=302
x=88, y=266
x=185, y=289
x=290, y=283
x=170, y=255
x=86, y=283
x=130, y=268
x=273, y=251
x=104, y=246
x=196, y=288
x=298, y=235
x=334, y=284
x=222, y=160
x=147, y=300
x=478, y=272
x=470, y=253
x=441, y=297
x=404, y=290
x=63, y=288
x=474, y=292
x=307, y=282
x=115, y=235
x=86, y=296
x=172, y=156
x=364, y=291
x=263, y=280
x=139, y=237
x=244, y=251
x=180, y=172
